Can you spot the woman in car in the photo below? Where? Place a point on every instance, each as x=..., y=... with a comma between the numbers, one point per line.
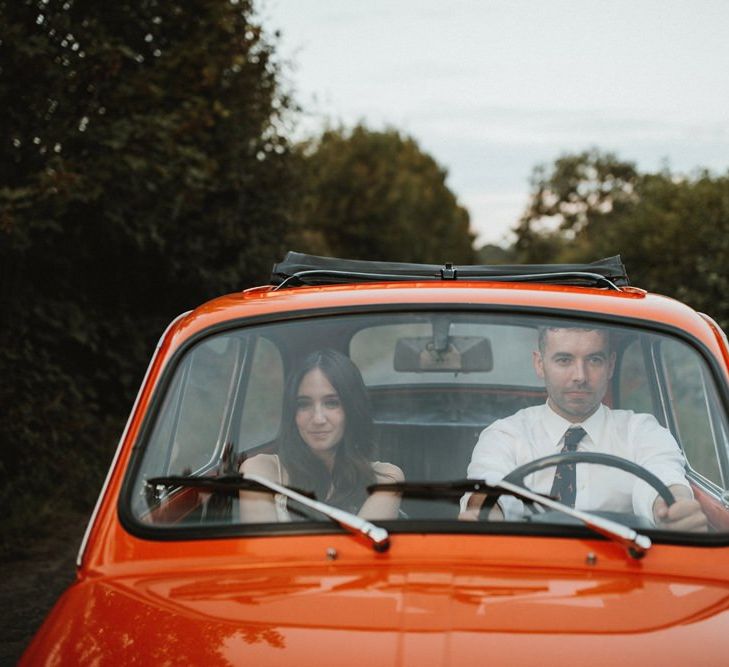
x=326, y=445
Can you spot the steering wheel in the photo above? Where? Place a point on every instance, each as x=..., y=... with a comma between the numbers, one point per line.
x=517, y=475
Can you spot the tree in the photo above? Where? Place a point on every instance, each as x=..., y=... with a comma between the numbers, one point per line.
x=675, y=240
x=378, y=196
x=672, y=231
x=143, y=170
x=495, y=254
x=567, y=200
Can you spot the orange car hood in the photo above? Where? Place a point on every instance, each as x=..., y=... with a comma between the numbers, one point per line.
x=343, y=615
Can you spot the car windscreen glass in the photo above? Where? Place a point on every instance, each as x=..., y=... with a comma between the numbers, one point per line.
x=332, y=405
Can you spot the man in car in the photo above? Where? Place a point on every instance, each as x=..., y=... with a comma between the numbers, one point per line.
x=576, y=365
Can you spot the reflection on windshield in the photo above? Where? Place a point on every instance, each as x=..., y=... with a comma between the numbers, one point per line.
x=333, y=405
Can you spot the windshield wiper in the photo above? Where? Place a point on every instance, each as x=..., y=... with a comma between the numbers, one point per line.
x=635, y=543
x=449, y=489
x=379, y=537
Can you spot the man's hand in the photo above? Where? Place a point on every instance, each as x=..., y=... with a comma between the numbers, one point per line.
x=685, y=514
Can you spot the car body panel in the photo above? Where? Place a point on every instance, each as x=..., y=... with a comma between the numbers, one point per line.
x=397, y=608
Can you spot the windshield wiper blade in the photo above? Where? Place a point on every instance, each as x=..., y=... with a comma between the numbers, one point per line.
x=234, y=482
x=379, y=537
x=454, y=489
x=635, y=543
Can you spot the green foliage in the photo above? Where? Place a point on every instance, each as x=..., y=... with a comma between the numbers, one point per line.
x=377, y=195
x=143, y=170
x=566, y=201
x=675, y=240
x=671, y=231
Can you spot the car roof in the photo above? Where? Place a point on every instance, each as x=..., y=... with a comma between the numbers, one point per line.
x=630, y=303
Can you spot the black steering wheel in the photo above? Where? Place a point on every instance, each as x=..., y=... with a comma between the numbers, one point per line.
x=517, y=475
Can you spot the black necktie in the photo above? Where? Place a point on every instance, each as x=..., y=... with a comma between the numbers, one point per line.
x=564, y=488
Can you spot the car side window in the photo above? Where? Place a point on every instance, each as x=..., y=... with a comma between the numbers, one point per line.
x=691, y=400
x=207, y=386
x=634, y=388
x=261, y=417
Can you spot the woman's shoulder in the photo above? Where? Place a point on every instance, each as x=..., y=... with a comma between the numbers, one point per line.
x=387, y=472
x=261, y=464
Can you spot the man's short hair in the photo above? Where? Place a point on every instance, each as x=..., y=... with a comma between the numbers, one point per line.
x=543, y=330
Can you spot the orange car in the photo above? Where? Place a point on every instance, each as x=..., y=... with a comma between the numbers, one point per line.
x=367, y=464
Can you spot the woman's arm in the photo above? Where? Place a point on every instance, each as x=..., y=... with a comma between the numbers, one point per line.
x=383, y=504
x=255, y=506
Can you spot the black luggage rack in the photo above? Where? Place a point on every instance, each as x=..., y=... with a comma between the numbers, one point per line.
x=300, y=269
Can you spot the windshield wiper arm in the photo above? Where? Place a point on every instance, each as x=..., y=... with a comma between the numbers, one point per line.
x=635, y=543
x=379, y=537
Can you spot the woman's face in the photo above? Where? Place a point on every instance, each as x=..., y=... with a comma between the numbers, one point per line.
x=320, y=416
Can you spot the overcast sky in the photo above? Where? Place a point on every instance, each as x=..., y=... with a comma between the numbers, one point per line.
x=491, y=88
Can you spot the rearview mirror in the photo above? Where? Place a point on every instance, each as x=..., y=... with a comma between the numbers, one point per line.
x=463, y=354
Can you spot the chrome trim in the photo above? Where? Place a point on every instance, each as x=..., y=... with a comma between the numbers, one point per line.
x=725, y=499
x=708, y=392
x=706, y=485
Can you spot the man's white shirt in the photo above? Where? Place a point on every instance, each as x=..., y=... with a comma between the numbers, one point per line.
x=538, y=431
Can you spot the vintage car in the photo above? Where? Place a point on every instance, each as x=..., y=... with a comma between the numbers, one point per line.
x=210, y=546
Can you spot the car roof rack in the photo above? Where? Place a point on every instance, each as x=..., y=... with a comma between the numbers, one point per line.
x=300, y=269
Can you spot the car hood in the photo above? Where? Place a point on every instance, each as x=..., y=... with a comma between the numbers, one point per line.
x=383, y=615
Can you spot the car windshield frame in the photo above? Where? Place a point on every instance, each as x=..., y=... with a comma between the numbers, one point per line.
x=134, y=525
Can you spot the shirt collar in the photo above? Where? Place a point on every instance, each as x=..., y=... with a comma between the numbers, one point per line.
x=556, y=426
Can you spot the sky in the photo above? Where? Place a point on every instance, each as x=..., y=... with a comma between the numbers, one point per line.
x=492, y=88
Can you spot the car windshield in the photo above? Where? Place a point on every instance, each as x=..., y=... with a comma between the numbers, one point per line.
x=332, y=405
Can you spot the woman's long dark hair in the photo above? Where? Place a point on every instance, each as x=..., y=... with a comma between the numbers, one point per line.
x=352, y=470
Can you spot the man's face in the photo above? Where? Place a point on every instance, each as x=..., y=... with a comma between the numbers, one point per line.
x=576, y=366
